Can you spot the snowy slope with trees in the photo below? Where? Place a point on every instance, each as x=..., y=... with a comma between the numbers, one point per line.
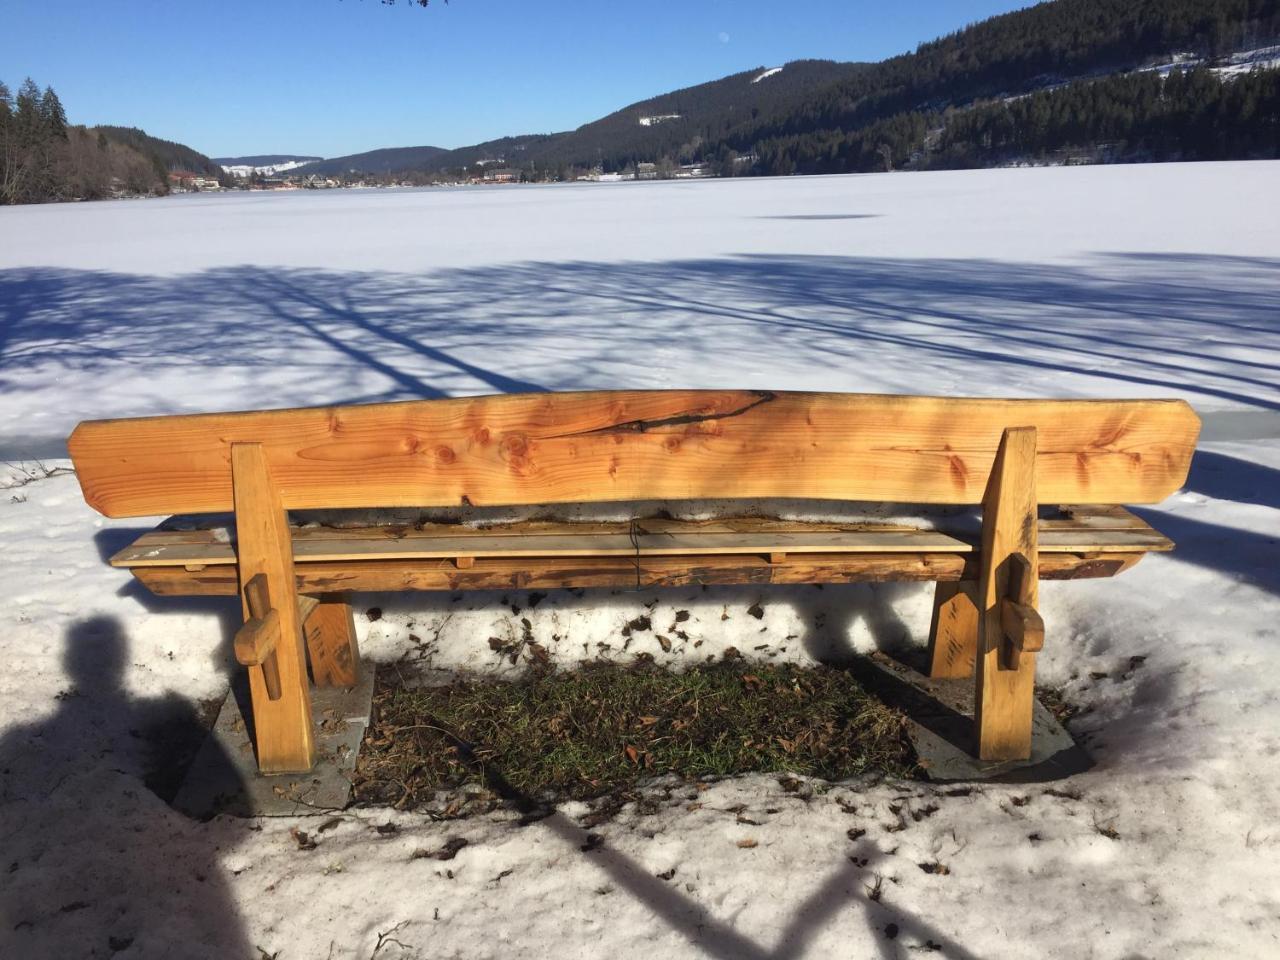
x=1093, y=282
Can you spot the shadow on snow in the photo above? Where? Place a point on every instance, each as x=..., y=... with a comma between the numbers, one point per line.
x=1202, y=327
x=93, y=864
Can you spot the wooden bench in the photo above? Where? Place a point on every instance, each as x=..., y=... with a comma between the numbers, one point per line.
x=1007, y=456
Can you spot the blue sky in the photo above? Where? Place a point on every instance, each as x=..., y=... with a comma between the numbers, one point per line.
x=331, y=77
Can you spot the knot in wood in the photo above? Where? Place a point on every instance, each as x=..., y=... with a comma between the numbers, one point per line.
x=514, y=450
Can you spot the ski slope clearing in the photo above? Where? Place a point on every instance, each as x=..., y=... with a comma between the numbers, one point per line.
x=1090, y=282
x=270, y=170
x=1260, y=58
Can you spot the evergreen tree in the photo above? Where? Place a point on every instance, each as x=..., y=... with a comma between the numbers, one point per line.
x=53, y=115
x=8, y=145
x=1190, y=115
x=27, y=113
x=23, y=164
x=44, y=158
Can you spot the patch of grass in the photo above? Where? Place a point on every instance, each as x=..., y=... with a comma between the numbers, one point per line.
x=604, y=728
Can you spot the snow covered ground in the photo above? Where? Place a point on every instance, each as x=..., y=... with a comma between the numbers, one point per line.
x=1106, y=282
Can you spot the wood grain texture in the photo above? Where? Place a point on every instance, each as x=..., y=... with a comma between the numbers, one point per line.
x=615, y=572
x=636, y=445
x=498, y=544
x=281, y=725
x=953, y=632
x=162, y=548
x=255, y=642
x=331, y=642
x=306, y=607
x=1004, y=698
x=1023, y=627
x=216, y=528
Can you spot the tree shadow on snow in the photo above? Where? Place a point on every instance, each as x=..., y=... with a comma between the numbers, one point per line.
x=1224, y=477
x=1203, y=327
x=1248, y=555
x=843, y=888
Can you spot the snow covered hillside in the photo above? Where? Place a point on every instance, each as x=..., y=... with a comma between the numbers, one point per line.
x=270, y=170
x=1094, y=282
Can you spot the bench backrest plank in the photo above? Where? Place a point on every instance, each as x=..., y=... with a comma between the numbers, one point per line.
x=637, y=445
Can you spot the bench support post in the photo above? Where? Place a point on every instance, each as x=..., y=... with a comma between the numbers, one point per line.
x=282, y=726
x=1005, y=691
x=331, y=642
x=953, y=635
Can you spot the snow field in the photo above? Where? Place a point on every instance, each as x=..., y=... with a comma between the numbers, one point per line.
x=1108, y=282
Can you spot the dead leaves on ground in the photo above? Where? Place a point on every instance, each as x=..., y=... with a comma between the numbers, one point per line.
x=446, y=852
x=301, y=838
x=638, y=757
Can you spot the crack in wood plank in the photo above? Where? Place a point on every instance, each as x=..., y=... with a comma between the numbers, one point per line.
x=680, y=420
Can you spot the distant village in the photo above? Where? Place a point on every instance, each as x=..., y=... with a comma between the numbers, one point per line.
x=482, y=173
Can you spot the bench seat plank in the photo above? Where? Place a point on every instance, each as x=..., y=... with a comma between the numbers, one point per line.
x=211, y=547
x=540, y=573
x=426, y=547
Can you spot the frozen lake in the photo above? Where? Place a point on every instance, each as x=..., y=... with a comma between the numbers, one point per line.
x=1102, y=281
x=1099, y=282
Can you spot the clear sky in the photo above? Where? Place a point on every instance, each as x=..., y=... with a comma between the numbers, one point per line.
x=331, y=77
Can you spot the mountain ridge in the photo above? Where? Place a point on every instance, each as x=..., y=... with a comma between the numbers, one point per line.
x=620, y=134
x=826, y=116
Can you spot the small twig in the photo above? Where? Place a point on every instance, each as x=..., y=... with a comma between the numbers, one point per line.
x=32, y=471
x=385, y=938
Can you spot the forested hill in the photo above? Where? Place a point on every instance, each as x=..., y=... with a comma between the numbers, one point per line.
x=1018, y=53
x=706, y=114
x=166, y=154
x=391, y=160
x=820, y=116
x=661, y=126
x=43, y=157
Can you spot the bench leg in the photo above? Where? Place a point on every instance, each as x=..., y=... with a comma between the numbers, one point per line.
x=282, y=727
x=1005, y=686
x=331, y=643
x=953, y=635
